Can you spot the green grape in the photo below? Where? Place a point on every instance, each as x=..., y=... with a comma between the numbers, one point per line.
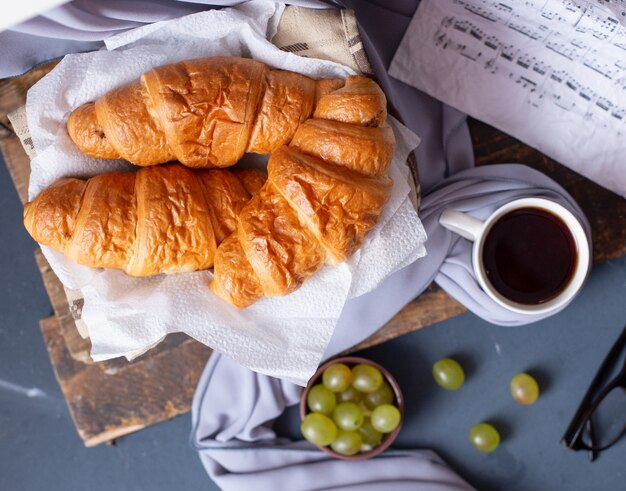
x=347, y=443
x=321, y=400
x=350, y=395
x=448, y=374
x=383, y=395
x=366, y=378
x=484, y=437
x=524, y=388
x=385, y=418
x=337, y=377
x=370, y=435
x=348, y=416
x=318, y=429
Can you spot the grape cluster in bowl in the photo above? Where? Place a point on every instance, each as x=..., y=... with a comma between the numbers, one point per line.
x=352, y=408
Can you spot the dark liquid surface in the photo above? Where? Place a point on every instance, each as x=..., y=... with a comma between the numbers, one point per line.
x=529, y=255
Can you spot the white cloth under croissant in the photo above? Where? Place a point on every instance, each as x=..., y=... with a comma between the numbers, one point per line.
x=232, y=429
x=125, y=314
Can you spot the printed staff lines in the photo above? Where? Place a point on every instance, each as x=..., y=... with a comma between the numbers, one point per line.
x=573, y=50
x=583, y=16
x=541, y=81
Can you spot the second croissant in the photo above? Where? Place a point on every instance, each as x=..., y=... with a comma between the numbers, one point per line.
x=204, y=113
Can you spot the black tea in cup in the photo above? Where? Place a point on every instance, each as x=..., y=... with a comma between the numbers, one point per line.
x=529, y=256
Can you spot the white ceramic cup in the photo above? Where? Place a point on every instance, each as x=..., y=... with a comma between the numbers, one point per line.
x=477, y=230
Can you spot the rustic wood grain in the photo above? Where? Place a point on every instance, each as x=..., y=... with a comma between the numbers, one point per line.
x=107, y=405
x=78, y=347
x=13, y=90
x=17, y=162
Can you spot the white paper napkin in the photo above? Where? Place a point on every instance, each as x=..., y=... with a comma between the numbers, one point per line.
x=283, y=336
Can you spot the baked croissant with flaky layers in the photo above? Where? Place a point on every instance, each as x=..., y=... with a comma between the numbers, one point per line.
x=204, y=113
x=164, y=219
x=323, y=193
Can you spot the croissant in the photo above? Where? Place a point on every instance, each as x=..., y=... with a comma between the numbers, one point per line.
x=323, y=193
x=327, y=179
x=206, y=112
x=161, y=219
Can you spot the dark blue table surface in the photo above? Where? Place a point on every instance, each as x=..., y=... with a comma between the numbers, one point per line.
x=39, y=447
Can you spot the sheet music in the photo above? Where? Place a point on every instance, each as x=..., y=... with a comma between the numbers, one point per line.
x=550, y=72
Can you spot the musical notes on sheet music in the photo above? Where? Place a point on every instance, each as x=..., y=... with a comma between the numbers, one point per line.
x=514, y=39
x=551, y=73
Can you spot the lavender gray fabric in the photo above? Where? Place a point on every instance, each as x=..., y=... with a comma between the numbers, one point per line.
x=446, y=147
x=478, y=191
x=446, y=150
x=232, y=429
x=233, y=407
x=81, y=25
x=227, y=423
x=232, y=433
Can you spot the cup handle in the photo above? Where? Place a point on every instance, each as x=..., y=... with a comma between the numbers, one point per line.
x=465, y=225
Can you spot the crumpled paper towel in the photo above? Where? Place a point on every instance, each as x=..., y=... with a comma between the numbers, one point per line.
x=283, y=336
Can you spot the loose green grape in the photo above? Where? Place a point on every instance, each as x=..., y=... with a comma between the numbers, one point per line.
x=321, y=400
x=348, y=416
x=337, y=377
x=385, y=418
x=448, y=374
x=347, y=443
x=366, y=378
x=370, y=435
x=350, y=395
x=383, y=395
x=318, y=429
x=484, y=437
x=524, y=388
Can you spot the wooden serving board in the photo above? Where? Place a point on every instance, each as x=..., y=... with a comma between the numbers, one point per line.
x=111, y=399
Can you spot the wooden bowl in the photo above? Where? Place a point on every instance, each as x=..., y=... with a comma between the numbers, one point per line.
x=399, y=402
